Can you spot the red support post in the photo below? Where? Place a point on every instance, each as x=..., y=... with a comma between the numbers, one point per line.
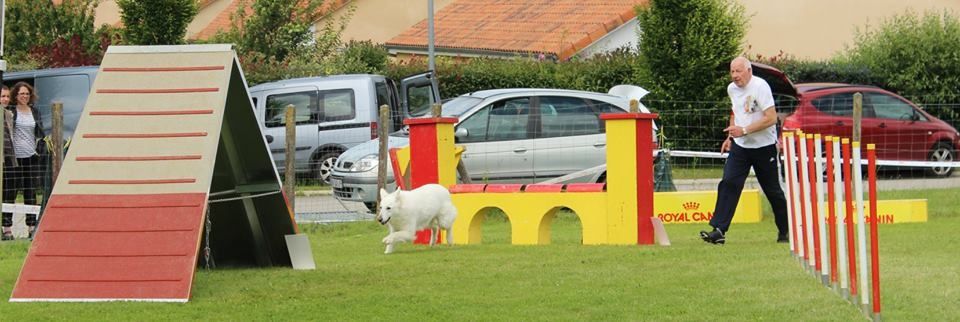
x=832, y=211
x=848, y=195
x=814, y=212
x=874, y=241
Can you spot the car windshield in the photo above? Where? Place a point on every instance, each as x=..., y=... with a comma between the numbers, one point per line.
x=459, y=105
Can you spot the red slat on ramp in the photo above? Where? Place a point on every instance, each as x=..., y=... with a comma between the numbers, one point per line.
x=100, y=247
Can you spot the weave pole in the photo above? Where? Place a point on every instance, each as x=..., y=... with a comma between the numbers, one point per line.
x=848, y=198
x=861, y=226
x=831, y=211
x=874, y=241
x=814, y=209
x=787, y=168
x=805, y=194
x=795, y=232
x=841, y=220
x=821, y=213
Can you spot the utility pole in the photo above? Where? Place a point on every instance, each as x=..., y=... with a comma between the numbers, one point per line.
x=430, y=40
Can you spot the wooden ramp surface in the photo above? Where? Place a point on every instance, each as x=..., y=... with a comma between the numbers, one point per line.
x=125, y=216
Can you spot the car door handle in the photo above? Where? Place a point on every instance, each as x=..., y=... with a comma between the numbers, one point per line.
x=269, y=138
x=519, y=150
x=883, y=125
x=599, y=145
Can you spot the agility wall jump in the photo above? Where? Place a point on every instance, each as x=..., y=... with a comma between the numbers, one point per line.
x=825, y=203
x=620, y=215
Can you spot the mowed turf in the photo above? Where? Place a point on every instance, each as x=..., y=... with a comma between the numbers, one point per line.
x=750, y=278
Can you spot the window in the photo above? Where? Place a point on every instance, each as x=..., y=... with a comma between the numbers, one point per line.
x=419, y=99
x=837, y=104
x=500, y=121
x=569, y=116
x=889, y=107
x=311, y=107
x=337, y=105
x=304, y=102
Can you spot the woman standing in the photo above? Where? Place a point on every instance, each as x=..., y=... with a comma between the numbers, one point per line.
x=23, y=176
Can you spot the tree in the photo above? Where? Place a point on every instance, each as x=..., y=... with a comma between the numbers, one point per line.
x=275, y=39
x=156, y=22
x=40, y=33
x=685, y=47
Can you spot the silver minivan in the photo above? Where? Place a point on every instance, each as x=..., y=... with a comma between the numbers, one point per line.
x=511, y=135
x=334, y=113
x=70, y=86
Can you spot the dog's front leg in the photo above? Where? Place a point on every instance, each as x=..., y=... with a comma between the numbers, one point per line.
x=389, y=240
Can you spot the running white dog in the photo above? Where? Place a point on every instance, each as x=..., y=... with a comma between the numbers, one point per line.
x=405, y=212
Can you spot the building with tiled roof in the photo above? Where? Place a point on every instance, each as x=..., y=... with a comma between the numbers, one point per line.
x=558, y=29
x=807, y=29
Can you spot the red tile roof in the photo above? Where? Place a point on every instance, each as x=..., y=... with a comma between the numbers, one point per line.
x=559, y=28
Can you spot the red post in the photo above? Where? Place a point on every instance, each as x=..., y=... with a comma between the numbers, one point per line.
x=814, y=212
x=874, y=241
x=832, y=211
x=424, y=157
x=848, y=195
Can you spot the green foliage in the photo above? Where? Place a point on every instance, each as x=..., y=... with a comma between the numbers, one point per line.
x=686, y=46
x=916, y=56
x=457, y=76
x=807, y=71
x=156, y=22
x=44, y=34
x=371, y=57
x=274, y=40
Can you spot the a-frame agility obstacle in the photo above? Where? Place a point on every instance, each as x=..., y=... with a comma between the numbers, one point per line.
x=167, y=142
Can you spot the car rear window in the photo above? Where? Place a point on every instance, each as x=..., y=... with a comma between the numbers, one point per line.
x=840, y=104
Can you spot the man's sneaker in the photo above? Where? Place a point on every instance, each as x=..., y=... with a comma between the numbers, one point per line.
x=782, y=238
x=713, y=237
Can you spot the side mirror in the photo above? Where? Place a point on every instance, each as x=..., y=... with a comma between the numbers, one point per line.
x=461, y=133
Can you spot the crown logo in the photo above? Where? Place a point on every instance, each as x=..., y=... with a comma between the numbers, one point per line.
x=692, y=205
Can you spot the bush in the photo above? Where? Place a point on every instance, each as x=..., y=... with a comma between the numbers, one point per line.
x=686, y=47
x=43, y=34
x=156, y=22
x=916, y=56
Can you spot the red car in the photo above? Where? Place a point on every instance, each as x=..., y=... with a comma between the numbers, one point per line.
x=900, y=129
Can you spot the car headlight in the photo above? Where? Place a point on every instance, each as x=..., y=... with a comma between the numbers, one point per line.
x=365, y=164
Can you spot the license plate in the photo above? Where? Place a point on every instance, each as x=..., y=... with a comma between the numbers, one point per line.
x=336, y=183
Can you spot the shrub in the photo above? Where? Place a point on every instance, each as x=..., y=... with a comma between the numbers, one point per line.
x=54, y=35
x=686, y=47
x=916, y=56
x=156, y=22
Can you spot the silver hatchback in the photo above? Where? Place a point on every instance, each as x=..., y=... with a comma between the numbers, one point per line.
x=510, y=135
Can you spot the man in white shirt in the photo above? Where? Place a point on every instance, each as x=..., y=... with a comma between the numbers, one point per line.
x=752, y=142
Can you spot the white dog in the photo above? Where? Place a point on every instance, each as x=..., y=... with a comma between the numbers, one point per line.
x=405, y=212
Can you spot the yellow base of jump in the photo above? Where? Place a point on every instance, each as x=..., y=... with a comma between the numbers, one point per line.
x=899, y=211
x=689, y=207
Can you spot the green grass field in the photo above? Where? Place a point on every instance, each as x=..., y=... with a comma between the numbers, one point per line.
x=751, y=278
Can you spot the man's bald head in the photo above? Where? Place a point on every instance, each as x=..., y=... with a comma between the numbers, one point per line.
x=741, y=71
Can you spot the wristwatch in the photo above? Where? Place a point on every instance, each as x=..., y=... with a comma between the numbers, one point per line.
x=744, y=129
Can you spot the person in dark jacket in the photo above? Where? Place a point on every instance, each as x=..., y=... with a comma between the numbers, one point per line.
x=26, y=137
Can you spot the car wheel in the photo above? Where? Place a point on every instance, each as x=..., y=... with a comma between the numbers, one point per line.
x=371, y=206
x=324, y=165
x=942, y=151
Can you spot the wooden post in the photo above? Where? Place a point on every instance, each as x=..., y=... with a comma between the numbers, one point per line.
x=857, y=115
x=56, y=136
x=289, y=174
x=436, y=109
x=384, y=137
x=634, y=106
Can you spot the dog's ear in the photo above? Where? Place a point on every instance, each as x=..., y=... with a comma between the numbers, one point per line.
x=383, y=193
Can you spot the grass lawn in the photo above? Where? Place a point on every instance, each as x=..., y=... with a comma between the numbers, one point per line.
x=751, y=278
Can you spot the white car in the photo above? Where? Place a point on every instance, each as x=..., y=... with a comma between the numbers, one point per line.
x=510, y=135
